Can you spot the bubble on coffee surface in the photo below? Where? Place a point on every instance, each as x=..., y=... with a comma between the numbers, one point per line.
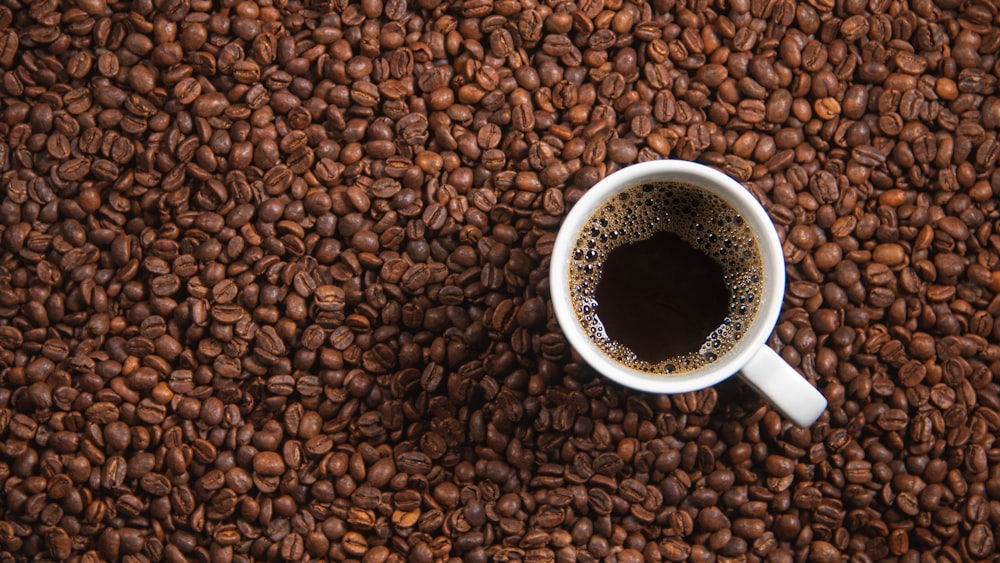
x=703, y=220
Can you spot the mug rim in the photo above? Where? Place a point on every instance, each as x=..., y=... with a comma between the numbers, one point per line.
x=715, y=182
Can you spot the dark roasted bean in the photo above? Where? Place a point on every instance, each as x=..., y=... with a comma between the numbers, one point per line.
x=273, y=279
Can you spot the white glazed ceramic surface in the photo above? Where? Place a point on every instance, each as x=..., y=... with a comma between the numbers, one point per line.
x=761, y=367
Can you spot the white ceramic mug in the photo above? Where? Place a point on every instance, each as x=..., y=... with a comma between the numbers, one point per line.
x=759, y=365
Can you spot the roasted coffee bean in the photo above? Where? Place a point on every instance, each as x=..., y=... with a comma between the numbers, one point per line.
x=274, y=281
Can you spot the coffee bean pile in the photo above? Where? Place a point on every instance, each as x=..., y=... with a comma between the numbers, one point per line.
x=273, y=279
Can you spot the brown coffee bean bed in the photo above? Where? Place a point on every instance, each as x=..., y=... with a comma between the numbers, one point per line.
x=274, y=280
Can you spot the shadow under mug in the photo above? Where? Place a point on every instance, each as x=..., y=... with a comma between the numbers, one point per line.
x=758, y=364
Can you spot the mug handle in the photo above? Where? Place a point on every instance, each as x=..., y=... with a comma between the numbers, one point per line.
x=788, y=391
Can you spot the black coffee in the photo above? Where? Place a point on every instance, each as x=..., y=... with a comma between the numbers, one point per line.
x=655, y=308
x=665, y=278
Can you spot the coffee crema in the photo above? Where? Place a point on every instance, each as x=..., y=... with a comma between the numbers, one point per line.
x=683, y=269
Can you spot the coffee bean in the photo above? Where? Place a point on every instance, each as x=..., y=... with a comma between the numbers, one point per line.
x=268, y=464
x=275, y=288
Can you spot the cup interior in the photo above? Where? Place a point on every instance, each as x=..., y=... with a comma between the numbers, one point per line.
x=714, y=182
